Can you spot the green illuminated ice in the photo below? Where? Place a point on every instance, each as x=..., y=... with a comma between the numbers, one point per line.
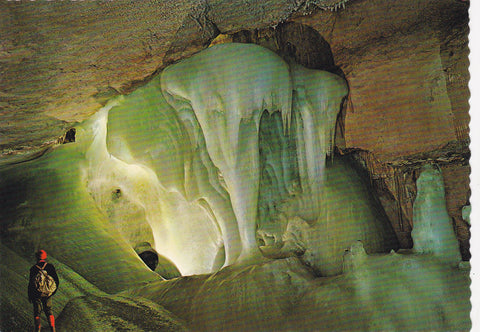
x=220, y=166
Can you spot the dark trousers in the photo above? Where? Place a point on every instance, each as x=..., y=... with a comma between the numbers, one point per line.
x=42, y=303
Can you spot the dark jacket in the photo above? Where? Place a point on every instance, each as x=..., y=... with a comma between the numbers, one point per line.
x=32, y=292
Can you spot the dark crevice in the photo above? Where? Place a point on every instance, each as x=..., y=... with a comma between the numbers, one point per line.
x=150, y=259
x=70, y=136
x=295, y=43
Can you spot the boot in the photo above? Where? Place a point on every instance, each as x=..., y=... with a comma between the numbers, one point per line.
x=38, y=324
x=51, y=322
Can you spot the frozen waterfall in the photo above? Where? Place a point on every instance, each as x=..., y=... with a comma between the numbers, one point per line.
x=226, y=89
x=221, y=153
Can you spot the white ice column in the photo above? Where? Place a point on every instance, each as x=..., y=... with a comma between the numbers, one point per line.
x=228, y=87
x=432, y=226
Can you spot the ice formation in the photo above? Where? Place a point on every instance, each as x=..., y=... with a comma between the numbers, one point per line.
x=230, y=148
x=224, y=94
x=349, y=213
x=432, y=229
x=226, y=89
x=153, y=207
x=220, y=156
x=317, y=99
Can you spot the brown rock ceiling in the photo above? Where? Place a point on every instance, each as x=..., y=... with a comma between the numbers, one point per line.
x=405, y=61
x=61, y=60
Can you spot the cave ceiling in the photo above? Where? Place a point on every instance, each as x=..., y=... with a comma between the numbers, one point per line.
x=62, y=61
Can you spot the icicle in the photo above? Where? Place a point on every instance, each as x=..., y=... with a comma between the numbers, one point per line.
x=318, y=96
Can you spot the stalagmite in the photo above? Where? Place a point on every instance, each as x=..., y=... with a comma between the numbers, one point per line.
x=432, y=228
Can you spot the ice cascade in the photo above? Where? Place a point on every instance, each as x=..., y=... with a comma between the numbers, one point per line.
x=316, y=101
x=222, y=159
x=227, y=88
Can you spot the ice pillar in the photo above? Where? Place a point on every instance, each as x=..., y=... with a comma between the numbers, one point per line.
x=432, y=228
x=227, y=88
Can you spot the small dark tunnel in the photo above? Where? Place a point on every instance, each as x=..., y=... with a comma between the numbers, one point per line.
x=155, y=262
x=148, y=255
x=150, y=258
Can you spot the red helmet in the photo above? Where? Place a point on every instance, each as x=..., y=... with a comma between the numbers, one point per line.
x=41, y=254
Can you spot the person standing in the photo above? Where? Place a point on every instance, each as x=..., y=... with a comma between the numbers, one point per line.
x=42, y=285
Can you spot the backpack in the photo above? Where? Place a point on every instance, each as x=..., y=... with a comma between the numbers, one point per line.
x=44, y=283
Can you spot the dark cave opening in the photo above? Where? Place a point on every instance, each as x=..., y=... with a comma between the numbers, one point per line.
x=150, y=258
